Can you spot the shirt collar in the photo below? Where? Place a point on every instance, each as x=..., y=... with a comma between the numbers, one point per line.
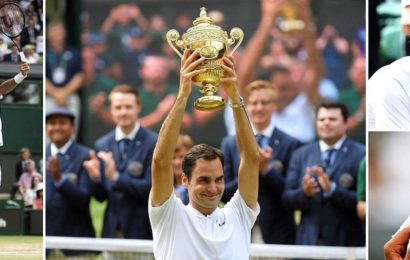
x=63, y=150
x=199, y=215
x=324, y=147
x=119, y=134
x=267, y=132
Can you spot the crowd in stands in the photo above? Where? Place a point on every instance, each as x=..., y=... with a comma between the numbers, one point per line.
x=123, y=81
x=30, y=41
x=29, y=181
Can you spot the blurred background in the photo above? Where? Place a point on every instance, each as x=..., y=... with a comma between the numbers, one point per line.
x=388, y=187
x=387, y=42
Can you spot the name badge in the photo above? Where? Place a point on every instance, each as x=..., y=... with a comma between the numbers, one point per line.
x=59, y=75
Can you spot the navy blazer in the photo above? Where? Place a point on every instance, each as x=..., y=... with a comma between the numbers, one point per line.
x=127, y=208
x=67, y=206
x=276, y=222
x=332, y=220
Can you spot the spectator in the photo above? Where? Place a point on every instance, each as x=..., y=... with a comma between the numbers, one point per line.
x=294, y=113
x=69, y=187
x=63, y=71
x=96, y=87
x=31, y=56
x=30, y=33
x=184, y=143
x=38, y=202
x=157, y=30
x=334, y=49
x=126, y=153
x=354, y=97
x=157, y=96
x=3, y=48
x=24, y=156
x=27, y=177
x=321, y=182
x=14, y=55
x=133, y=56
x=117, y=25
x=296, y=86
x=275, y=149
x=30, y=194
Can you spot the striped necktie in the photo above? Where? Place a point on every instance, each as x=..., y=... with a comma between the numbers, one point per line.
x=327, y=162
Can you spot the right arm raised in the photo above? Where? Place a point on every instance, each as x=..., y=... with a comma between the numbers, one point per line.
x=162, y=175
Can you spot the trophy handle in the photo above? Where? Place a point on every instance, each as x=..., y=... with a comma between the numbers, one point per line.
x=172, y=37
x=237, y=35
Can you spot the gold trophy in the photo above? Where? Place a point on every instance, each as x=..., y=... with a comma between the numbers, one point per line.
x=212, y=43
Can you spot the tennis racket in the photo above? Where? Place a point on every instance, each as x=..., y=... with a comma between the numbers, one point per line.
x=12, y=22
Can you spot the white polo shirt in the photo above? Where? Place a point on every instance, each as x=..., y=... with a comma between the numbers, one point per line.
x=181, y=232
x=388, y=97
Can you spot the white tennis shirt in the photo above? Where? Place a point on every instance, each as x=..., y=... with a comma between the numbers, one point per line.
x=181, y=232
x=388, y=97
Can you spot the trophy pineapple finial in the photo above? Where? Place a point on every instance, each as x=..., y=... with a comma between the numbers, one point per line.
x=203, y=18
x=202, y=12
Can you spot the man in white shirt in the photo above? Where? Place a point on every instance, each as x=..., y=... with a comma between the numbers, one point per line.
x=8, y=86
x=201, y=230
x=389, y=97
x=389, y=89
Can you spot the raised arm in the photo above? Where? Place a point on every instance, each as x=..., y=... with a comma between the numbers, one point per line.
x=248, y=173
x=254, y=48
x=162, y=175
x=10, y=84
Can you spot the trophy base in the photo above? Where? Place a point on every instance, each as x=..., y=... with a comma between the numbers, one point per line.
x=209, y=103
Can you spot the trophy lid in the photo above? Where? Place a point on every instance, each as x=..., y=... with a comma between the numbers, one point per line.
x=203, y=18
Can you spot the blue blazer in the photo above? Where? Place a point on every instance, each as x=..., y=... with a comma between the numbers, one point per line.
x=67, y=206
x=332, y=220
x=127, y=208
x=276, y=222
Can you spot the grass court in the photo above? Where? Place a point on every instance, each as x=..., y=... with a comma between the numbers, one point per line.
x=21, y=247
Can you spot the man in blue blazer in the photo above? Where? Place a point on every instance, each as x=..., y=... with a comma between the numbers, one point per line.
x=68, y=185
x=275, y=149
x=125, y=172
x=321, y=182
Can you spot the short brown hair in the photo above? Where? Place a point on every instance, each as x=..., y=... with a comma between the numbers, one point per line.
x=200, y=151
x=125, y=89
x=259, y=84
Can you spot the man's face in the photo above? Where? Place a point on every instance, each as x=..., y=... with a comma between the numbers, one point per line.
x=155, y=70
x=25, y=155
x=124, y=109
x=330, y=126
x=56, y=36
x=206, y=186
x=59, y=129
x=260, y=104
x=284, y=89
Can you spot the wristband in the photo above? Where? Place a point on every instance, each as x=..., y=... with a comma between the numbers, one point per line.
x=19, y=78
x=237, y=105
